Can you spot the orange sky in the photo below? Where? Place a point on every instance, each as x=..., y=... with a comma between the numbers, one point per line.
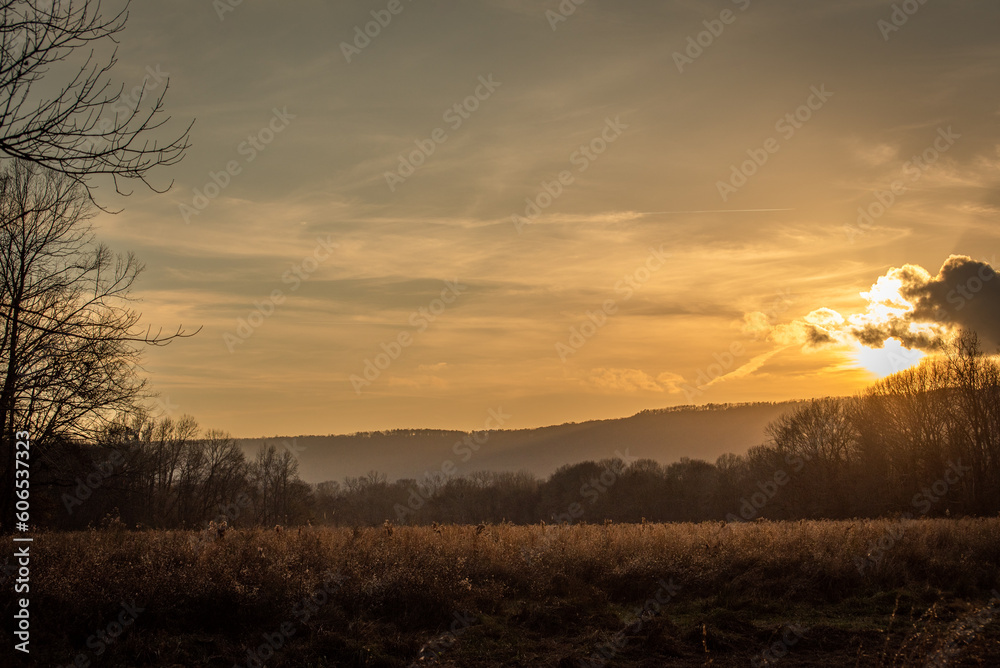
x=569, y=219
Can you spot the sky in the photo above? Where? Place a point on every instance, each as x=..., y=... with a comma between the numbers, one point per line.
x=562, y=211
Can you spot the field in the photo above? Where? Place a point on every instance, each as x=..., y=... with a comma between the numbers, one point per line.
x=866, y=593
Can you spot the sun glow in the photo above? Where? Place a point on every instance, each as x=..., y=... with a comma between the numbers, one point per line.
x=885, y=300
x=891, y=358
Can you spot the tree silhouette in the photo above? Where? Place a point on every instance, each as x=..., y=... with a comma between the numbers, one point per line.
x=58, y=106
x=69, y=338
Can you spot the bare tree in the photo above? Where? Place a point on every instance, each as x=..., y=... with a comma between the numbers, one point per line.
x=819, y=432
x=276, y=484
x=975, y=427
x=169, y=467
x=69, y=339
x=80, y=124
x=222, y=475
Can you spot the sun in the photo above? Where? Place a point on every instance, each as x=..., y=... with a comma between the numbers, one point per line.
x=891, y=358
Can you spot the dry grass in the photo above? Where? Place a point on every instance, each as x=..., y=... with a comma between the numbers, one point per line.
x=540, y=595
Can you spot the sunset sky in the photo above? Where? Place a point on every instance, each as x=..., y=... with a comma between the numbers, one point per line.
x=624, y=133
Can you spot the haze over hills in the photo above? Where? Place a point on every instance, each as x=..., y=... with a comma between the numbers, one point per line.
x=666, y=435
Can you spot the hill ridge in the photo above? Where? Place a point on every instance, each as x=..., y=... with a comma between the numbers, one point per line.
x=699, y=432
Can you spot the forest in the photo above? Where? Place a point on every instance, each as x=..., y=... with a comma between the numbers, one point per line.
x=922, y=442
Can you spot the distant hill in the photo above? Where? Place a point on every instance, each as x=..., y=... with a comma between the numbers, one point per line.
x=666, y=435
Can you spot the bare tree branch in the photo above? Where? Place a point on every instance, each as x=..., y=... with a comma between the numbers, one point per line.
x=86, y=127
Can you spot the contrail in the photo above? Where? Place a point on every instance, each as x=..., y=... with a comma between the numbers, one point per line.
x=747, y=369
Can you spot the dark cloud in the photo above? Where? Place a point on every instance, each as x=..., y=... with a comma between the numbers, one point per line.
x=817, y=337
x=874, y=335
x=965, y=295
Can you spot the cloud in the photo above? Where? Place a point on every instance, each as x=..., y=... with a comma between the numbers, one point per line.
x=816, y=330
x=671, y=382
x=964, y=294
x=418, y=382
x=756, y=324
x=923, y=311
x=440, y=366
x=633, y=380
x=908, y=304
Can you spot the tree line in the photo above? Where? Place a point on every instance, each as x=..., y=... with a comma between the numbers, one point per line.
x=922, y=442
x=165, y=473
